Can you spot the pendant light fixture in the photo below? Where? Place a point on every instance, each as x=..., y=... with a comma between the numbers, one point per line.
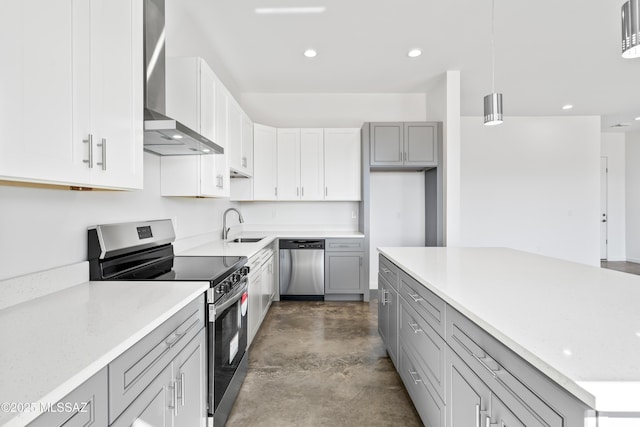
x=493, y=101
x=631, y=29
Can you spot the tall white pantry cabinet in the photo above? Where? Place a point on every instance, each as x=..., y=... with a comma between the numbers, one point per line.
x=71, y=93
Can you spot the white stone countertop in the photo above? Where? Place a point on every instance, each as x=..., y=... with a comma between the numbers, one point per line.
x=578, y=324
x=229, y=248
x=52, y=344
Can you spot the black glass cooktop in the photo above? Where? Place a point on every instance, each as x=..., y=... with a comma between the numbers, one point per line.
x=213, y=269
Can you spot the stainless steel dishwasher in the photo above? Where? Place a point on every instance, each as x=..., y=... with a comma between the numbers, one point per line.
x=301, y=269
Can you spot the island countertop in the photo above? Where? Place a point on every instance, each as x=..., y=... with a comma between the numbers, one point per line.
x=577, y=324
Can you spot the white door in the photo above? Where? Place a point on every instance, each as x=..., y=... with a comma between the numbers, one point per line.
x=288, y=164
x=342, y=164
x=603, y=208
x=312, y=164
x=264, y=163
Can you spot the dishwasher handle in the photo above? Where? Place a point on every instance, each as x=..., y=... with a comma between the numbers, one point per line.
x=302, y=244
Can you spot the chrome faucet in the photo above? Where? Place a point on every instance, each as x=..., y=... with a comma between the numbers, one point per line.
x=225, y=230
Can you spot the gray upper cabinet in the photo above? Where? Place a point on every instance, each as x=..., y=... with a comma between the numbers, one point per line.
x=387, y=144
x=401, y=145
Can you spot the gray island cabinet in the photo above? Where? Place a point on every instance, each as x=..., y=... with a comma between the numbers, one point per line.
x=456, y=372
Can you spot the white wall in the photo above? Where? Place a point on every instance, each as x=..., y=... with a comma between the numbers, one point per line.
x=632, y=155
x=397, y=214
x=45, y=228
x=613, y=148
x=302, y=215
x=332, y=109
x=532, y=183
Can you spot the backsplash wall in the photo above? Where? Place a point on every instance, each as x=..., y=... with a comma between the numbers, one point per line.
x=46, y=228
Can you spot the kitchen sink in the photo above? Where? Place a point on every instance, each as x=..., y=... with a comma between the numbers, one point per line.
x=246, y=239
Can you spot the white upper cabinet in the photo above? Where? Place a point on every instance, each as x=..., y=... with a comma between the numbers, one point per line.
x=342, y=163
x=240, y=140
x=191, y=98
x=288, y=164
x=72, y=92
x=311, y=164
x=265, y=184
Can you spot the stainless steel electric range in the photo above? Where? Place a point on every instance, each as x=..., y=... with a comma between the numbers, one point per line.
x=144, y=251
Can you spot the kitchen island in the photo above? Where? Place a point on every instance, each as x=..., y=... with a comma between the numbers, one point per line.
x=574, y=329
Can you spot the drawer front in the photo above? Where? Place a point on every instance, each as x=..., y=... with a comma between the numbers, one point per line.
x=389, y=271
x=89, y=404
x=429, y=347
x=134, y=370
x=425, y=400
x=532, y=397
x=425, y=302
x=344, y=245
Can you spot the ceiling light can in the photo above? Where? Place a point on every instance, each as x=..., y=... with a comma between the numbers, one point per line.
x=310, y=53
x=567, y=107
x=630, y=15
x=493, y=109
x=414, y=53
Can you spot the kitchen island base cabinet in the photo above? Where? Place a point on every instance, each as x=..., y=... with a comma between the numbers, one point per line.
x=457, y=374
x=90, y=399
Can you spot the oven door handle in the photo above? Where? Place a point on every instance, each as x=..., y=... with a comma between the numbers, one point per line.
x=232, y=300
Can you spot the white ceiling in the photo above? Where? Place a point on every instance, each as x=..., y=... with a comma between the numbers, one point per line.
x=548, y=52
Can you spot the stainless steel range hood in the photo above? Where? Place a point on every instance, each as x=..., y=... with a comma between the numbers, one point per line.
x=164, y=135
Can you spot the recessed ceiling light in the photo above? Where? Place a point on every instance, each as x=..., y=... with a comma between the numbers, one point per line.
x=206, y=150
x=289, y=10
x=310, y=53
x=177, y=136
x=414, y=53
x=567, y=107
x=637, y=118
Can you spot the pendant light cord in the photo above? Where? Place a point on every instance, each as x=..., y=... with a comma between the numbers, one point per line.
x=493, y=48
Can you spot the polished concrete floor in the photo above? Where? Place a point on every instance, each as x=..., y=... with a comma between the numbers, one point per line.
x=625, y=266
x=321, y=364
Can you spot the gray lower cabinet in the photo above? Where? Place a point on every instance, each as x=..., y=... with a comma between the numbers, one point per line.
x=90, y=404
x=458, y=375
x=344, y=266
x=177, y=396
x=400, y=145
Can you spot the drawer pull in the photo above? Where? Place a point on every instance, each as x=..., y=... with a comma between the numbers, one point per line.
x=414, y=326
x=415, y=380
x=172, y=343
x=386, y=270
x=416, y=297
x=484, y=364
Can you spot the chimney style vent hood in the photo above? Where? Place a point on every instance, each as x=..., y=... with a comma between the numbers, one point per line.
x=164, y=135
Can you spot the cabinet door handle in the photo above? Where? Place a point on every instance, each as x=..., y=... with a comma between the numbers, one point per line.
x=244, y=162
x=182, y=388
x=174, y=395
x=297, y=191
x=415, y=380
x=414, y=326
x=103, y=145
x=89, y=141
x=326, y=191
x=276, y=191
x=415, y=297
x=302, y=192
x=477, y=416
